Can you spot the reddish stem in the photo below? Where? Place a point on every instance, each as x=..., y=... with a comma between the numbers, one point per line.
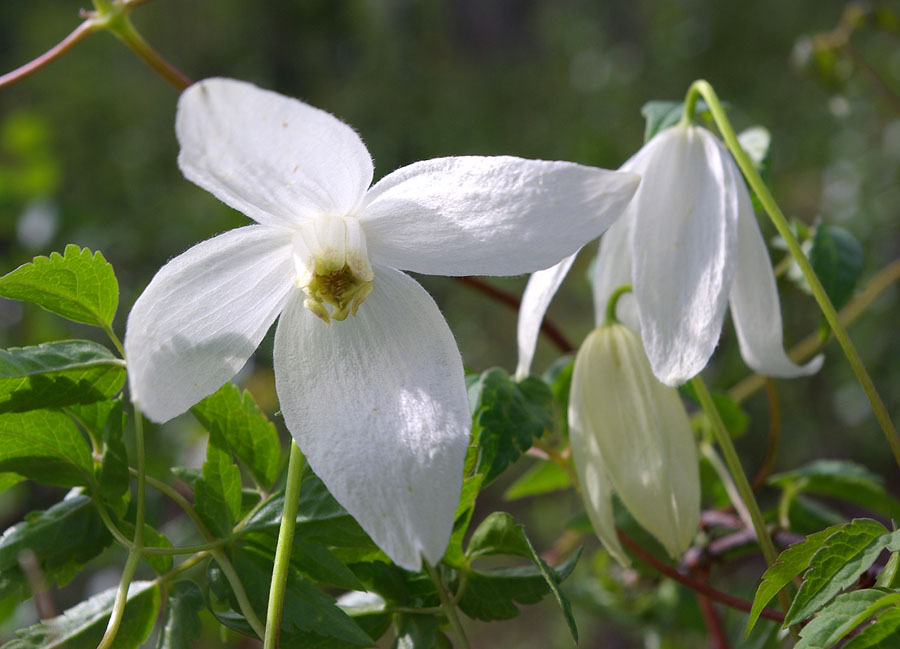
x=552, y=331
x=80, y=32
x=713, y=622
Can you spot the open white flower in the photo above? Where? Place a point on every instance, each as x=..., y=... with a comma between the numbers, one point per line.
x=690, y=246
x=376, y=403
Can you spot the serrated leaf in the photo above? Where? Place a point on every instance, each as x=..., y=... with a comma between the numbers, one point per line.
x=464, y=510
x=181, y=624
x=880, y=635
x=660, y=115
x=217, y=495
x=251, y=436
x=83, y=625
x=62, y=538
x=842, y=479
x=57, y=374
x=846, y=554
x=309, y=615
x=553, y=580
x=507, y=415
x=45, y=446
x=78, y=285
x=113, y=477
x=542, y=478
x=493, y=594
x=499, y=534
x=844, y=614
x=837, y=258
x=790, y=563
x=416, y=632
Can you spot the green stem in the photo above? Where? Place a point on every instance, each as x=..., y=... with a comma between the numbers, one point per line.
x=610, y=316
x=114, y=339
x=115, y=618
x=121, y=26
x=111, y=526
x=283, y=548
x=448, y=605
x=702, y=88
x=240, y=594
x=709, y=452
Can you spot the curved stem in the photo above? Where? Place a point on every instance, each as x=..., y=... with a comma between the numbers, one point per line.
x=734, y=495
x=121, y=26
x=83, y=30
x=283, y=548
x=702, y=88
x=114, y=339
x=610, y=316
x=448, y=606
x=111, y=526
x=118, y=610
x=774, y=436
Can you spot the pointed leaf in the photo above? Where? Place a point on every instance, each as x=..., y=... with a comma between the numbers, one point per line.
x=83, y=625
x=471, y=486
x=542, y=478
x=58, y=374
x=880, y=635
x=499, y=534
x=660, y=115
x=837, y=257
x=844, y=614
x=838, y=564
x=78, y=285
x=217, y=495
x=312, y=559
x=45, y=446
x=181, y=624
x=251, y=436
x=62, y=538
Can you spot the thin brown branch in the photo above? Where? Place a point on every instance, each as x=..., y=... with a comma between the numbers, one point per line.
x=713, y=622
x=774, y=435
x=551, y=330
x=78, y=34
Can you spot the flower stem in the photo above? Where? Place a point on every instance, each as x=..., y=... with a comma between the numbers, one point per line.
x=704, y=89
x=121, y=26
x=610, y=315
x=83, y=30
x=283, y=548
x=448, y=605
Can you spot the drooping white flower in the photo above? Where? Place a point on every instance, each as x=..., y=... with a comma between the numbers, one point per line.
x=630, y=434
x=377, y=403
x=690, y=246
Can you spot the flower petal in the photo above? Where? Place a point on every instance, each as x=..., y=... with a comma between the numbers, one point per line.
x=542, y=286
x=754, y=303
x=489, y=215
x=202, y=316
x=378, y=405
x=271, y=157
x=613, y=269
x=684, y=238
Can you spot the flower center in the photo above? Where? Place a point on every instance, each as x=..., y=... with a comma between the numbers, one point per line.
x=332, y=266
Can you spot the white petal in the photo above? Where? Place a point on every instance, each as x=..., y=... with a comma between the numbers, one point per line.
x=541, y=288
x=613, y=269
x=684, y=238
x=378, y=405
x=754, y=304
x=489, y=215
x=271, y=157
x=202, y=316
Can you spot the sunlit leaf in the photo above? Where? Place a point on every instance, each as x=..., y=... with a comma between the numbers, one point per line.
x=844, y=614
x=542, y=478
x=45, y=446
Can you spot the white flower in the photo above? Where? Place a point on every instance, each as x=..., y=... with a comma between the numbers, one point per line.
x=376, y=403
x=690, y=246
x=630, y=433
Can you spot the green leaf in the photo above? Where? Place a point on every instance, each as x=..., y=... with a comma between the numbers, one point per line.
x=756, y=142
x=7, y=480
x=733, y=416
x=841, y=479
x=83, y=625
x=493, y=594
x=416, y=632
x=161, y=563
x=880, y=635
x=507, y=415
x=108, y=419
x=790, y=563
x=181, y=624
x=846, y=554
x=368, y=611
x=62, y=538
x=77, y=285
x=312, y=559
x=464, y=510
x=542, y=478
x=45, y=446
x=844, y=614
x=57, y=374
x=217, y=495
x=837, y=258
x=499, y=534
x=309, y=615
x=660, y=115
x=251, y=436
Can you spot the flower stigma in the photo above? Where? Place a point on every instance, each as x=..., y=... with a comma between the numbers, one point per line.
x=332, y=266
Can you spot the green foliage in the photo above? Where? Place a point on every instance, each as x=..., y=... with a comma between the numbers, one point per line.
x=57, y=374
x=45, y=446
x=845, y=613
x=660, y=115
x=77, y=285
x=62, y=539
x=880, y=635
x=471, y=486
x=106, y=421
x=253, y=439
x=83, y=625
x=217, y=495
x=837, y=258
x=841, y=479
x=506, y=416
x=416, y=632
x=181, y=624
x=733, y=415
x=542, y=478
x=161, y=563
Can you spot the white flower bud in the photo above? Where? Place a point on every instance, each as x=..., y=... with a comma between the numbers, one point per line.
x=630, y=433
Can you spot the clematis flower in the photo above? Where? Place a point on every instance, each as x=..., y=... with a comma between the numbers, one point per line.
x=630, y=434
x=368, y=376
x=690, y=246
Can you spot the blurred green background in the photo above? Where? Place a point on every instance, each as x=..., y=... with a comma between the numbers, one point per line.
x=87, y=155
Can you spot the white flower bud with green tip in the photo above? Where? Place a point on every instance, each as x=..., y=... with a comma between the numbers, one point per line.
x=630, y=434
